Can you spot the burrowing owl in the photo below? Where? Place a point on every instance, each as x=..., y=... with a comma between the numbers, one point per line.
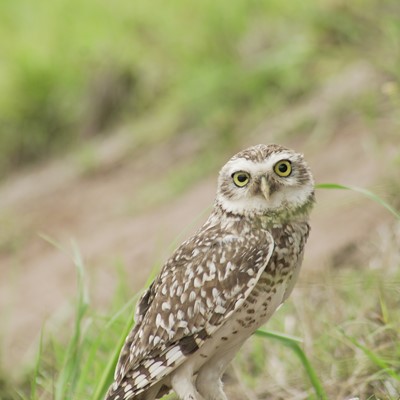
x=223, y=283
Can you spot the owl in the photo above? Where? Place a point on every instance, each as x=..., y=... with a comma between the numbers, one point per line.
x=222, y=283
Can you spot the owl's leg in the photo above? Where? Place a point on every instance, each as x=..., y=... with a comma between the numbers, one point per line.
x=182, y=383
x=208, y=381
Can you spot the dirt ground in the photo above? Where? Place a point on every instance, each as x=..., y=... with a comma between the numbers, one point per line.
x=95, y=210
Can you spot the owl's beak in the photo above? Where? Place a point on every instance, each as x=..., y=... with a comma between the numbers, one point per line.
x=264, y=187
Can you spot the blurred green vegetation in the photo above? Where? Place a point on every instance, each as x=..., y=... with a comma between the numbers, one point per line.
x=71, y=69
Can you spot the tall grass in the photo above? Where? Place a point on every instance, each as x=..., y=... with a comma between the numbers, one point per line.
x=83, y=366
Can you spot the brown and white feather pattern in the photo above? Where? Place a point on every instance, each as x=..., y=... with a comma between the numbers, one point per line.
x=218, y=286
x=202, y=284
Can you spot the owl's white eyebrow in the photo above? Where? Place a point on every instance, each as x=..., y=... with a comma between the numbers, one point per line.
x=252, y=167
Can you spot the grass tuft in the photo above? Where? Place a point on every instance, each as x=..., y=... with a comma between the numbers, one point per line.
x=83, y=368
x=293, y=344
x=67, y=381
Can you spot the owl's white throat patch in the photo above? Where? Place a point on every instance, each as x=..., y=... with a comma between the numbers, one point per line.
x=285, y=199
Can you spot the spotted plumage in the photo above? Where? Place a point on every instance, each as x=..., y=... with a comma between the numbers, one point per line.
x=223, y=283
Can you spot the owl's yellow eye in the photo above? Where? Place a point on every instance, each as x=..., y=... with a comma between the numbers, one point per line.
x=241, y=178
x=283, y=168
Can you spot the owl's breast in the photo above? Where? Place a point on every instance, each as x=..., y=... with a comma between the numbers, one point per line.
x=289, y=240
x=279, y=276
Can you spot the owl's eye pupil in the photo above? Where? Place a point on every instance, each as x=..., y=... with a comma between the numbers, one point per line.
x=242, y=178
x=283, y=168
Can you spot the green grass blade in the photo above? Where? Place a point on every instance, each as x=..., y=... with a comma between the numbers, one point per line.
x=101, y=387
x=363, y=191
x=35, y=376
x=281, y=337
x=108, y=374
x=117, y=315
x=69, y=374
x=100, y=336
x=376, y=359
x=293, y=343
x=312, y=375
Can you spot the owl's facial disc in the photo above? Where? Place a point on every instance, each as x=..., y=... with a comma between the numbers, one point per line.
x=276, y=181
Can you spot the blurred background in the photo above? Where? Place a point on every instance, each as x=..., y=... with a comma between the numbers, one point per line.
x=115, y=118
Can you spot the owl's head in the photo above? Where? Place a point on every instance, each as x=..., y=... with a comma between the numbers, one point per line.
x=264, y=179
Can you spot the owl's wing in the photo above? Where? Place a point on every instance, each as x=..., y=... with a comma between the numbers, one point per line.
x=201, y=285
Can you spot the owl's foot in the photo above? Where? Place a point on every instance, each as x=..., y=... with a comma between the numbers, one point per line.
x=213, y=392
x=209, y=386
x=182, y=383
